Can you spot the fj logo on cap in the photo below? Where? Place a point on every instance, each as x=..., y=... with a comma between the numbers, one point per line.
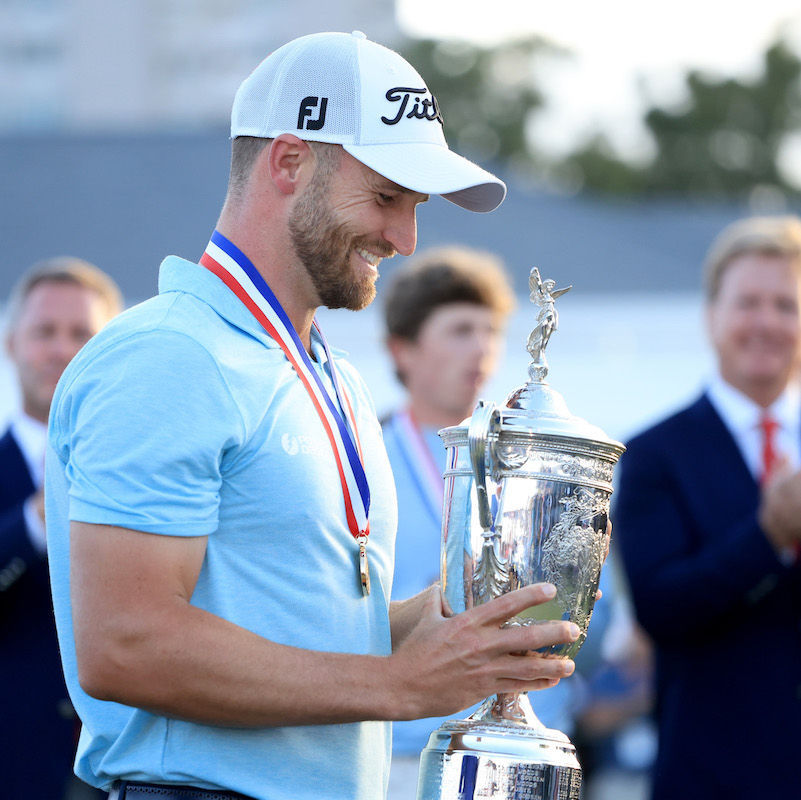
x=422, y=107
x=307, y=106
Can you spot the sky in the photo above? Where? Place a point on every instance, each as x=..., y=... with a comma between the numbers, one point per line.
x=626, y=51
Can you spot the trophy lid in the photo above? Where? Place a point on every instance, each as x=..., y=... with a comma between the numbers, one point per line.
x=536, y=409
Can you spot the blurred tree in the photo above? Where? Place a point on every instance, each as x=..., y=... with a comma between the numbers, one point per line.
x=724, y=141
x=487, y=96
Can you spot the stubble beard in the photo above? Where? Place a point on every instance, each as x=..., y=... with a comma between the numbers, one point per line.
x=323, y=246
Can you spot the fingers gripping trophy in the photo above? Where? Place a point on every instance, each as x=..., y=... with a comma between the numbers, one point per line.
x=527, y=490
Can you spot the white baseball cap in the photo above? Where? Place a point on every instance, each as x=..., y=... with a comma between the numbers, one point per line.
x=343, y=88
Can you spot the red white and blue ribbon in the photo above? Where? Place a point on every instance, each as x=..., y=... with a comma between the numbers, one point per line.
x=237, y=271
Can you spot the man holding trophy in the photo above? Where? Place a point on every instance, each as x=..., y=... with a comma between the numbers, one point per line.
x=221, y=511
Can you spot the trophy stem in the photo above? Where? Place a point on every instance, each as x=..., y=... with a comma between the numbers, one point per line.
x=507, y=708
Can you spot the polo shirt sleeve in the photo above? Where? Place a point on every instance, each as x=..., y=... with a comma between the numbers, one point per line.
x=143, y=431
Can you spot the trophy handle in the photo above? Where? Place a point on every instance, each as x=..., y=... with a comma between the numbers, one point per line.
x=491, y=576
x=477, y=437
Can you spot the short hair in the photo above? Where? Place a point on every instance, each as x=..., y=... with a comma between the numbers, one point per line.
x=440, y=276
x=63, y=269
x=771, y=236
x=246, y=149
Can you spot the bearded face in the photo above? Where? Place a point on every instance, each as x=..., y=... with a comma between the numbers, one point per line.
x=325, y=246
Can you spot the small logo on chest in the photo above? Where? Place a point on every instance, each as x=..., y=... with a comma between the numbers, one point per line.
x=294, y=445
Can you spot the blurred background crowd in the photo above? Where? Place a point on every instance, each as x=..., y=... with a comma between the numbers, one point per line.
x=628, y=141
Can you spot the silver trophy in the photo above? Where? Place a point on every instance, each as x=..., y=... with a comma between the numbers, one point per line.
x=527, y=490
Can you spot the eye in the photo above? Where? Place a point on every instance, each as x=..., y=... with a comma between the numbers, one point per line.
x=787, y=305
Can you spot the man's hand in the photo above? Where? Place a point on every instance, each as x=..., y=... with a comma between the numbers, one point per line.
x=780, y=509
x=446, y=664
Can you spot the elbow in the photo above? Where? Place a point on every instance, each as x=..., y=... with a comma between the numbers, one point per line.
x=101, y=674
x=110, y=666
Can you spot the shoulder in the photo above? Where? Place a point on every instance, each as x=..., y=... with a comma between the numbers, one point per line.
x=677, y=425
x=147, y=374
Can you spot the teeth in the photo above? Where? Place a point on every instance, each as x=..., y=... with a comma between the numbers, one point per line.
x=371, y=258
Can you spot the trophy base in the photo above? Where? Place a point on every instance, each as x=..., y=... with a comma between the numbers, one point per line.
x=470, y=759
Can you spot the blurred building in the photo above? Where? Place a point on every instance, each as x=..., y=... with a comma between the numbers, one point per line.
x=105, y=65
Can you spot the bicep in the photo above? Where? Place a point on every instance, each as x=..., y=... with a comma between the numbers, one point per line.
x=122, y=579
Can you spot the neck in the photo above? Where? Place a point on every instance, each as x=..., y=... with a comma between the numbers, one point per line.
x=280, y=273
x=765, y=397
x=763, y=394
x=429, y=415
x=40, y=415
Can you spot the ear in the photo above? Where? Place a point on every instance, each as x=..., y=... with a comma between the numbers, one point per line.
x=8, y=345
x=709, y=318
x=290, y=162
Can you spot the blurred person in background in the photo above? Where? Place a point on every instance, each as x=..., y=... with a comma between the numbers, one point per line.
x=445, y=314
x=708, y=520
x=220, y=505
x=55, y=308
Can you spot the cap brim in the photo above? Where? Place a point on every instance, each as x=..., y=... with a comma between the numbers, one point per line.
x=433, y=169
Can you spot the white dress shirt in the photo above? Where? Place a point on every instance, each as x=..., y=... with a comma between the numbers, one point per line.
x=742, y=415
x=31, y=437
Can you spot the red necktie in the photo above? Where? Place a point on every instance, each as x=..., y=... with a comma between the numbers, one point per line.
x=770, y=455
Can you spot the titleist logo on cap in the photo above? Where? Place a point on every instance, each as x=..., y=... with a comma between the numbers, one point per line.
x=422, y=108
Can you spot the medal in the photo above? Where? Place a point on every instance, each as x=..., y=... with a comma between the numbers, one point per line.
x=238, y=273
x=364, y=567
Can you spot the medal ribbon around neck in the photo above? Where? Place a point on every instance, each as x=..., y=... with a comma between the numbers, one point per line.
x=238, y=273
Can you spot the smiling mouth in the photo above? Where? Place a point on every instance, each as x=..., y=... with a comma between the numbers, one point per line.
x=373, y=259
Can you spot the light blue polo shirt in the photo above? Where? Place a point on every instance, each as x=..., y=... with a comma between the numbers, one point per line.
x=183, y=417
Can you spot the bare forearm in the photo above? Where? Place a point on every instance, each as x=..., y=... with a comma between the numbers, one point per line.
x=194, y=665
x=200, y=667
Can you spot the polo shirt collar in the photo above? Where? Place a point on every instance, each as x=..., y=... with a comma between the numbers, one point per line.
x=179, y=275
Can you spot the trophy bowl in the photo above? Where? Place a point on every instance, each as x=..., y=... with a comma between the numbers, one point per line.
x=527, y=492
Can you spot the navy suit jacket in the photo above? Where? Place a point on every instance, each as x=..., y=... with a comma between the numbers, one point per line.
x=722, y=608
x=38, y=725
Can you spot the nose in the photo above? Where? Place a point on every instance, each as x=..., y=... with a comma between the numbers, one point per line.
x=483, y=346
x=401, y=231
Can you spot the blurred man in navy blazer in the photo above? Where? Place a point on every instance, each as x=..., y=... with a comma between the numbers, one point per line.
x=53, y=311
x=708, y=517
